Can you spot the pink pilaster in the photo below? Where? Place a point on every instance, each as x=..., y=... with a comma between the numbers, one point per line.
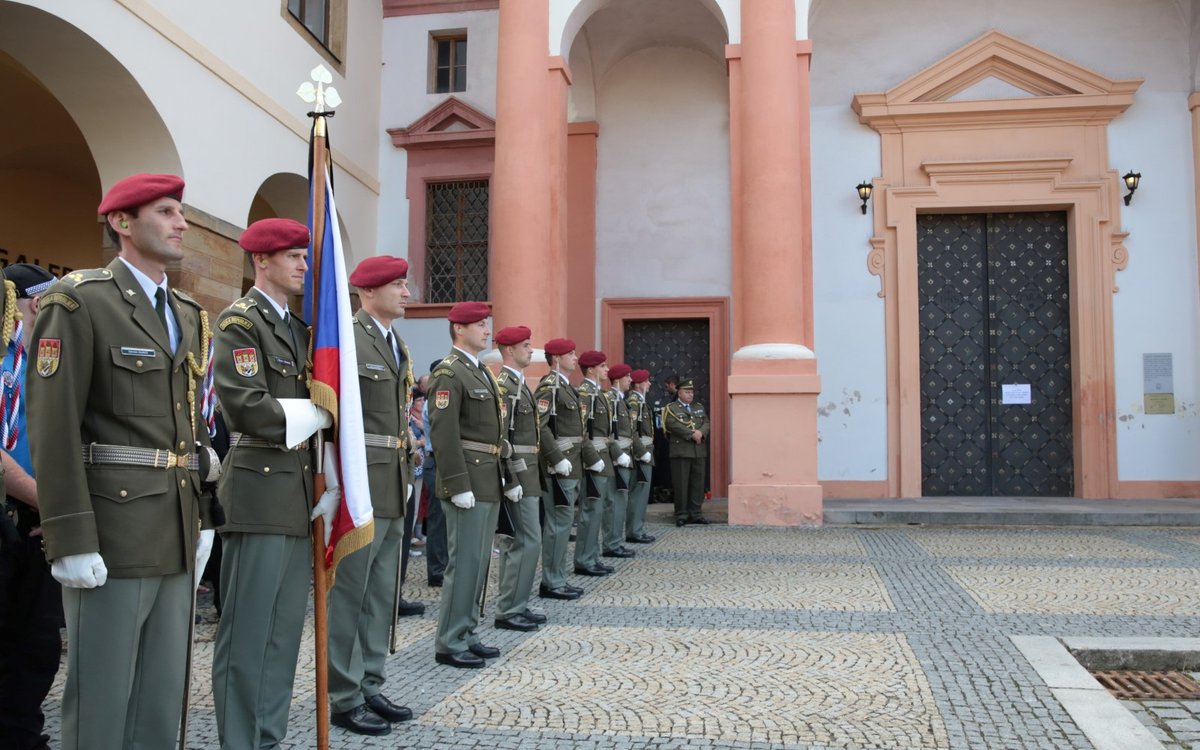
x=773, y=382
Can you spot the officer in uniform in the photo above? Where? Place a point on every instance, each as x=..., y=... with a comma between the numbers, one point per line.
x=686, y=426
x=600, y=477
x=362, y=600
x=261, y=375
x=564, y=451
x=116, y=424
x=465, y=431
x=643, y=448
x=30, y=598
x=519, y=552
x=612, y=527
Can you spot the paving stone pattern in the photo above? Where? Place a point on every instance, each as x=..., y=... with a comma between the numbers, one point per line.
x=718, y=637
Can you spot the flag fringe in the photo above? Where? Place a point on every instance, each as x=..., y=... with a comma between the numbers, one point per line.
x=323, y=396
x=350, y=542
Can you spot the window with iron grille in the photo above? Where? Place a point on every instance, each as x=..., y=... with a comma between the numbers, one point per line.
x=448, y=71
x=456, y=244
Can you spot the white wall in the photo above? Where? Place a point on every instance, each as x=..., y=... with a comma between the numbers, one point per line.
x=872, y=45
x=662, y=196
x=404, y=99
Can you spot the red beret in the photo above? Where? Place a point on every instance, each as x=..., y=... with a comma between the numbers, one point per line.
x=512, y=335
x=559, y=347
x=591, y=359
x=468, y=312
x=273, y=235
x=379, y=270
x=138, y=190
x=638, y=376
x=616, y=372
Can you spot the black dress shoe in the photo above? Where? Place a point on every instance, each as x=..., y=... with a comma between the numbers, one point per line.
x=435, y=582
x=460, y=659
x=533, y=617
x=680, y=523
x=388, y=710
x=608, y=569
x=642, y=539
x=619, y=552
x=548, y=593
x=484, y=652
x=410, y=609
x=515, y=622
x=574, y=589
x=596, y=571
x=361, y=720
x=701, y=521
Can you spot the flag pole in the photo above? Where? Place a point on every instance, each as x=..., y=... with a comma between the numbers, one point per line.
x=320, y=574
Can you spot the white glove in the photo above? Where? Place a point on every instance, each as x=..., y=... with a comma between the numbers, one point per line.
x=408, y=495
x=515, y=493
x=204, y=545
x=326, y=508
x=464, y=500
x=624, y=461
x=562, y=468
x=598, y=466
x=302, y=418
x=86, y=571
x=645, y=457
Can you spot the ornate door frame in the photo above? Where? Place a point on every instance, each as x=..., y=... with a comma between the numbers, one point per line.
x=1064, y=120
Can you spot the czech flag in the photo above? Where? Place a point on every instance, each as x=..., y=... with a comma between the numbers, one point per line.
x=334, y=383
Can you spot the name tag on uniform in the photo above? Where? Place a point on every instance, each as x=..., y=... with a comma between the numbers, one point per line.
x=283, y=362
x=481, y=391
x=133, y=351
x=380, y=368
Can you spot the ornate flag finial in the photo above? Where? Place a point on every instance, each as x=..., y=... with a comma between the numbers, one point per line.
x=324, y=96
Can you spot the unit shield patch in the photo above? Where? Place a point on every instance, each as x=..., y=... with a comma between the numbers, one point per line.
x=543, y=405
x=441, y=399
x=49, y=354
x=246, y=362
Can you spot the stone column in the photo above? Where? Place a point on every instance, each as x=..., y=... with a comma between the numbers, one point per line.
x=774, y=382
x=525, y=278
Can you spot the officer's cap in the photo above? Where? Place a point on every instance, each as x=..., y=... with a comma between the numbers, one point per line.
x=687, y=383
x=29, y=279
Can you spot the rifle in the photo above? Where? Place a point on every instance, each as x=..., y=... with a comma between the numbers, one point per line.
x=613, y=407
x=556, y=490
x=590, y=488
x=504, y=522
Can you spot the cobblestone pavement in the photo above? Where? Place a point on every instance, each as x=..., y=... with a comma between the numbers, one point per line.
x=1176, y=724
x=718, y=637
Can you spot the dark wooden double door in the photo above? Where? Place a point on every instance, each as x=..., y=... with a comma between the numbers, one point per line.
x=995, y=355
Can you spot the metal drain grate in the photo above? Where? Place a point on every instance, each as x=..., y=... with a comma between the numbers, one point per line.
x=1143, y=686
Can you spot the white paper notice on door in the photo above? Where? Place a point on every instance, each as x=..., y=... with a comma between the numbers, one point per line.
x=1014, y=393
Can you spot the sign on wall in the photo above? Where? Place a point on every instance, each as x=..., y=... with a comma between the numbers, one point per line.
x=1158, y=379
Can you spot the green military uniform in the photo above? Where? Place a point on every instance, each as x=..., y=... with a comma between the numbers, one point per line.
x=642, y=416
x=465, y=432
x=688, y=458
x=617, y=501
x=106, y=379
x=561, y=420
x=267, y=491
x=598, y=419
x=519, y=553
x=362, y=599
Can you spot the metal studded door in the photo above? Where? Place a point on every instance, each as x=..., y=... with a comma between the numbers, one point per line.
x=995, y=355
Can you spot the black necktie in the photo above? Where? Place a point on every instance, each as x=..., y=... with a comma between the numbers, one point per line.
x=387, y=336
x=160, y=306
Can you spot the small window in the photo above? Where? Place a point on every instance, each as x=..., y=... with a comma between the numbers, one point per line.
x=456, y=244
x=449, y=63
x=314, y=14
x=323, y=23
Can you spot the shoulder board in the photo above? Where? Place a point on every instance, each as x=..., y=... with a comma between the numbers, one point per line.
x=547, y=380
x=235, y=320
x=450, y=359
x=75, y=278
x=244, y=304
x=442, y=371
x=184, y=297
x=59, y=298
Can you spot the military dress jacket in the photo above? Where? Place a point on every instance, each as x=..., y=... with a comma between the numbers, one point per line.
x=465, y=428
x=598, y=425
x=642, y=415
x=521, y=429
x=622, y=426
x=266, y=489
x=385, y=388
x=105, y=374
x=679, y=423
x=560, y=417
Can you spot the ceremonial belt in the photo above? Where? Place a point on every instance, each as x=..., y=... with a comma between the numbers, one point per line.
x=563, y=443
x=384, y=441
x=599, y=443
x=127, y=455
x=624, y=443
x=529, y=449
x=242, y=440
x=473, y=445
